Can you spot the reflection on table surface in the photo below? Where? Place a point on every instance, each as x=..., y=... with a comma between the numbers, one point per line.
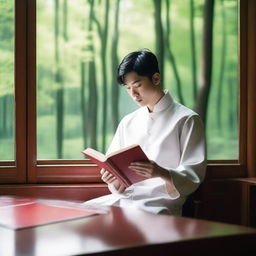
x=119, y=229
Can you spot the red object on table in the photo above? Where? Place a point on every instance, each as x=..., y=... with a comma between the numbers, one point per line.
x=18, y=213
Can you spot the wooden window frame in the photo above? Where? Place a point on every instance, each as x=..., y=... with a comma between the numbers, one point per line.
x=15, y=171
x=27, y=169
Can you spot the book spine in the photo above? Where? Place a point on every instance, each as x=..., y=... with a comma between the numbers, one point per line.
x=114, y=170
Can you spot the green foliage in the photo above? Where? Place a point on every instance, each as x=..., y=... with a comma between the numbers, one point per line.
x=136, y=31
x=7, y=149
x=6, y=47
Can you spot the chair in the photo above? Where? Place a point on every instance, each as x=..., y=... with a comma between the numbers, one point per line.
x=188, y=209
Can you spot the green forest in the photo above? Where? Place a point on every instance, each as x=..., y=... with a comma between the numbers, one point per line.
x=79, y=46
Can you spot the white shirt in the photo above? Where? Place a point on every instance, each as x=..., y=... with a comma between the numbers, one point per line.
x=172, y=136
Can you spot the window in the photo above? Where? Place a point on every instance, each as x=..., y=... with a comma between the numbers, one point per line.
x=75, y=69
x=61, y=81
x=13, y=92
x=7, y=125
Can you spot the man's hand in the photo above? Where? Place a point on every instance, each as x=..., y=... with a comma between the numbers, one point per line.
x=148, y=169
x=151, y=170
x=107, y=177
x=110, y=179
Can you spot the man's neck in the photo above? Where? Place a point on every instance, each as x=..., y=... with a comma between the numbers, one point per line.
x=157, y=97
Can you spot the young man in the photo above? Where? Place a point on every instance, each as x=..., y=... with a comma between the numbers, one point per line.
x=170, y=134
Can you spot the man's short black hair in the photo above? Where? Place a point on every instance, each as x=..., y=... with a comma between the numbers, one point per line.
x=142, y=62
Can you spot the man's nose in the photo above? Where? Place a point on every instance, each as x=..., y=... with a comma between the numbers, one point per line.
x=134, y=92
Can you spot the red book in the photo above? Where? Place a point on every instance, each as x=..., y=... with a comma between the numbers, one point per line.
x=24, y=213
x=118, y=163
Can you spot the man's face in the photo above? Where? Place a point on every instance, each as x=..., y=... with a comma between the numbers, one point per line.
x=142, y=90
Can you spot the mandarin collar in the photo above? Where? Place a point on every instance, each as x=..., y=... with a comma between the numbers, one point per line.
x=162, y=104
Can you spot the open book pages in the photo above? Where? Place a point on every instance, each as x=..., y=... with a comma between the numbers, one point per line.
x=95, y=154
x=101, y=157
x=122, y=150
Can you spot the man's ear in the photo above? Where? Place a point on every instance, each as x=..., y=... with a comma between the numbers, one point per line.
x=156, y=78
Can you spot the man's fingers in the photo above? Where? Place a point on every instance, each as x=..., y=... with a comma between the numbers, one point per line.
x=104, y=175
x=102, y=171
x=146, y=172
x=121, y=189
x=108, y=177
x=139, y=168
x=112, y=179
x=142, y=164
x=142, y=170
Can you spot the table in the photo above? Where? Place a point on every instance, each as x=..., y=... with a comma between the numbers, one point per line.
x=129, y=232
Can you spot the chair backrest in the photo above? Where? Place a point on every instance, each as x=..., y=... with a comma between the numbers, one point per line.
x=188, y=209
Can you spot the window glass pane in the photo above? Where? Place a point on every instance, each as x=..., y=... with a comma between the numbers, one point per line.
x=80, y=43
x=222, y=115
x=7, y=80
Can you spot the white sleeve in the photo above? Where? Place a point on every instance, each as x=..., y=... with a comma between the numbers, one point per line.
x=187, y=177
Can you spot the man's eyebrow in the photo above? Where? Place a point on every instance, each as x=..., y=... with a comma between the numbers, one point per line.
x=134, y=82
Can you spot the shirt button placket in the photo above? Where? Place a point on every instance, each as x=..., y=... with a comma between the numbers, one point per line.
x=149, y=132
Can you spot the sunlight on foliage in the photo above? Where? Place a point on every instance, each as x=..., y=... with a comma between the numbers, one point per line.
x=78, y=51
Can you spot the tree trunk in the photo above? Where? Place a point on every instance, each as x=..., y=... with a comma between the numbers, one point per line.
x=206, y=61
x=159, y=37
x=231, y=119
x=4, y=128
x=83, y=104
x=170, y=54
x=104, y=74
x=84, y=91
x=222, y=68
x=11, y=117
x=193, y=49
x=59, y=90
x=103, y=35
x=93, y=95
x=93, y=105
x=114, y=66
x=65, y=20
